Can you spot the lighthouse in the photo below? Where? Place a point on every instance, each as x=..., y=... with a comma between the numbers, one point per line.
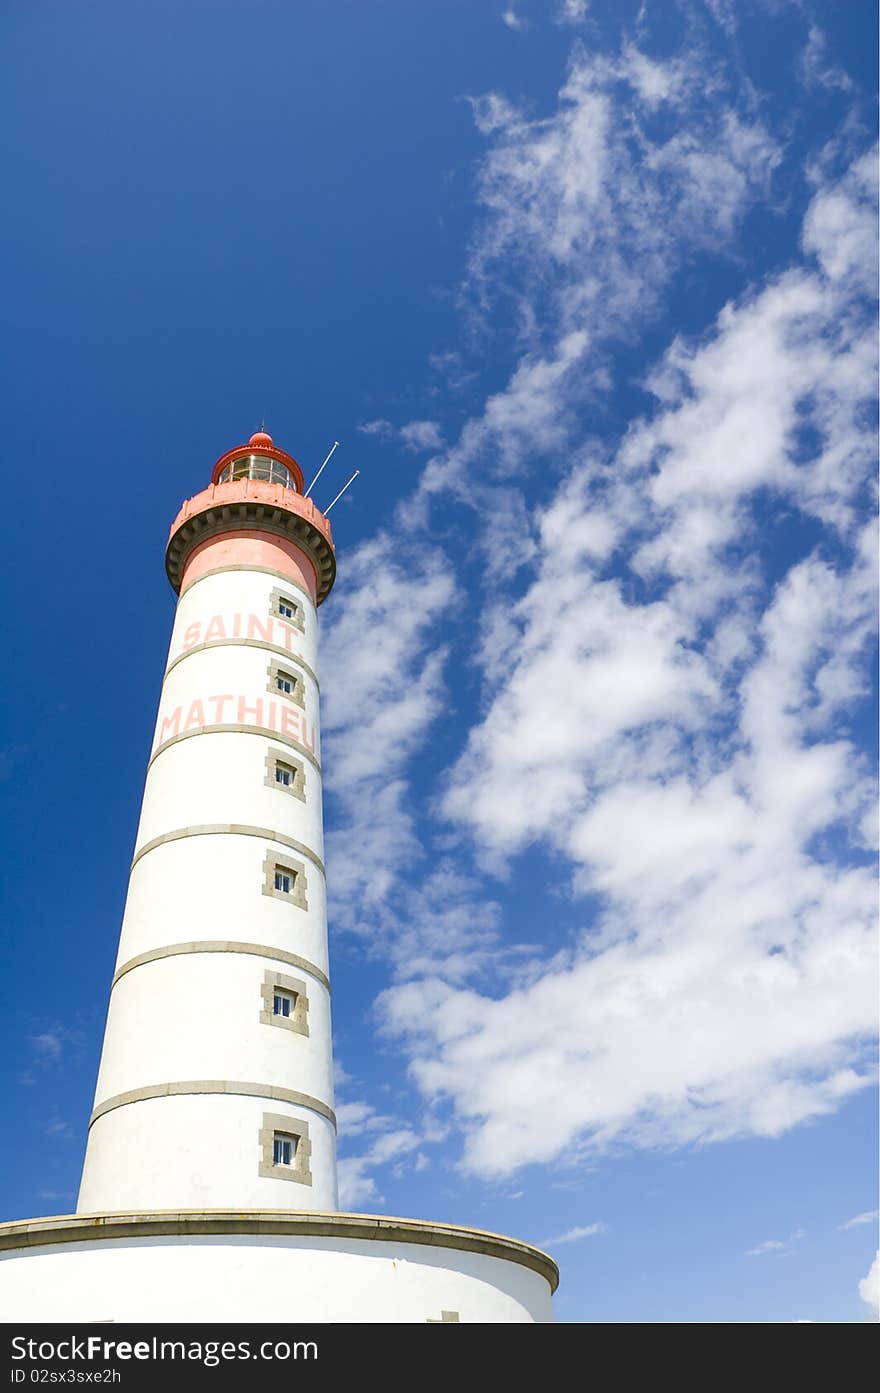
x=216, y=1078
x=209, y=1187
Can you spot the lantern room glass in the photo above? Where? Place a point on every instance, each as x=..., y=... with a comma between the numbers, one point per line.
x=258, y=467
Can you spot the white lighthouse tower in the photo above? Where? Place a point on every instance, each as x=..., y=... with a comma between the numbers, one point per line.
x=209, y=1185
x=216, y=1079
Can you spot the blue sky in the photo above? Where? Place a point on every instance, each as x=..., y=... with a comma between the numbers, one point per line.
x=585, y=290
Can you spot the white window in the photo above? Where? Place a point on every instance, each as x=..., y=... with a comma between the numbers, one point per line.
x=284, y=774
x=287, y=881
x=287, y=609
x=287, y=682
x=284, y=1150
x=283, y=1003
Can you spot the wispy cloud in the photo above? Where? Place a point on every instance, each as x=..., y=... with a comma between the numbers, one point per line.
x=46, y=1048
x=869, y=1217
x=817, y=69
x=512, y=19
x=575, y=1235
x=698, y=762
x=381, y=699
x=587, y=219
x=356, y=1185
x=669, y=696
x=47, y=1045
x=416, y=436
x=572, y=11
x=775, y=1245
x=378, y=1139
x=57, y=1127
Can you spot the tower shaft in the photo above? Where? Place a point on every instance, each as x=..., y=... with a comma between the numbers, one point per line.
x=216, y=1084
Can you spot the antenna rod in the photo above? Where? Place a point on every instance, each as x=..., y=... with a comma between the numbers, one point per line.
x=341, y=491
x=321, y=470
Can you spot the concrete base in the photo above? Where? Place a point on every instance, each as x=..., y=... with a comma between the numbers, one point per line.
x=267, y=1265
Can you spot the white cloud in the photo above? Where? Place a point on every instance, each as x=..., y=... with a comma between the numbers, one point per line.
x=774, y=1245
x=575, y=1235
x=586, y=192
x=382, y=696
x=686, y=750
x=381, y=1140
x=817, y=69
x=358, y=1117
x=869, y=1217
x=382, y=693
x=668, y=693
x=57, y=1127
x=48, y=1044
x=869, y=1287
x=841, y=224
x=380, y=427
x=356, y=1186
x=572, y=11
x=586, y=221
x=526, y=419
x=724, y=14
x=421, y=435
x=733, y=408
x=415, y=436
x=654, y=81
x=512, y=20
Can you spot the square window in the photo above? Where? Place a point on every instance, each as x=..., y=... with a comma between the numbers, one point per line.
x=287, y=682
x=285, y=1153
x=284, y=1150
x=284, y=880
x=287, y=609
x=283, y=1004
x=284, y=774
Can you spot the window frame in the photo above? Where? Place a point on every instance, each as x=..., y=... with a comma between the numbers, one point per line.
x=277, y=863
x=283, y=1127
x=281, y=597
x=298, y=1019
x=297, y=786
x=278, y=672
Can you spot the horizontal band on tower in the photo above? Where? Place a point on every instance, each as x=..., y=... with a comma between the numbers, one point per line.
x=238, y=730
x=216, y=945
x=234, y=829
x=261, y=570
x=192, y=1224
x=215, y=1086
x=246, y=643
